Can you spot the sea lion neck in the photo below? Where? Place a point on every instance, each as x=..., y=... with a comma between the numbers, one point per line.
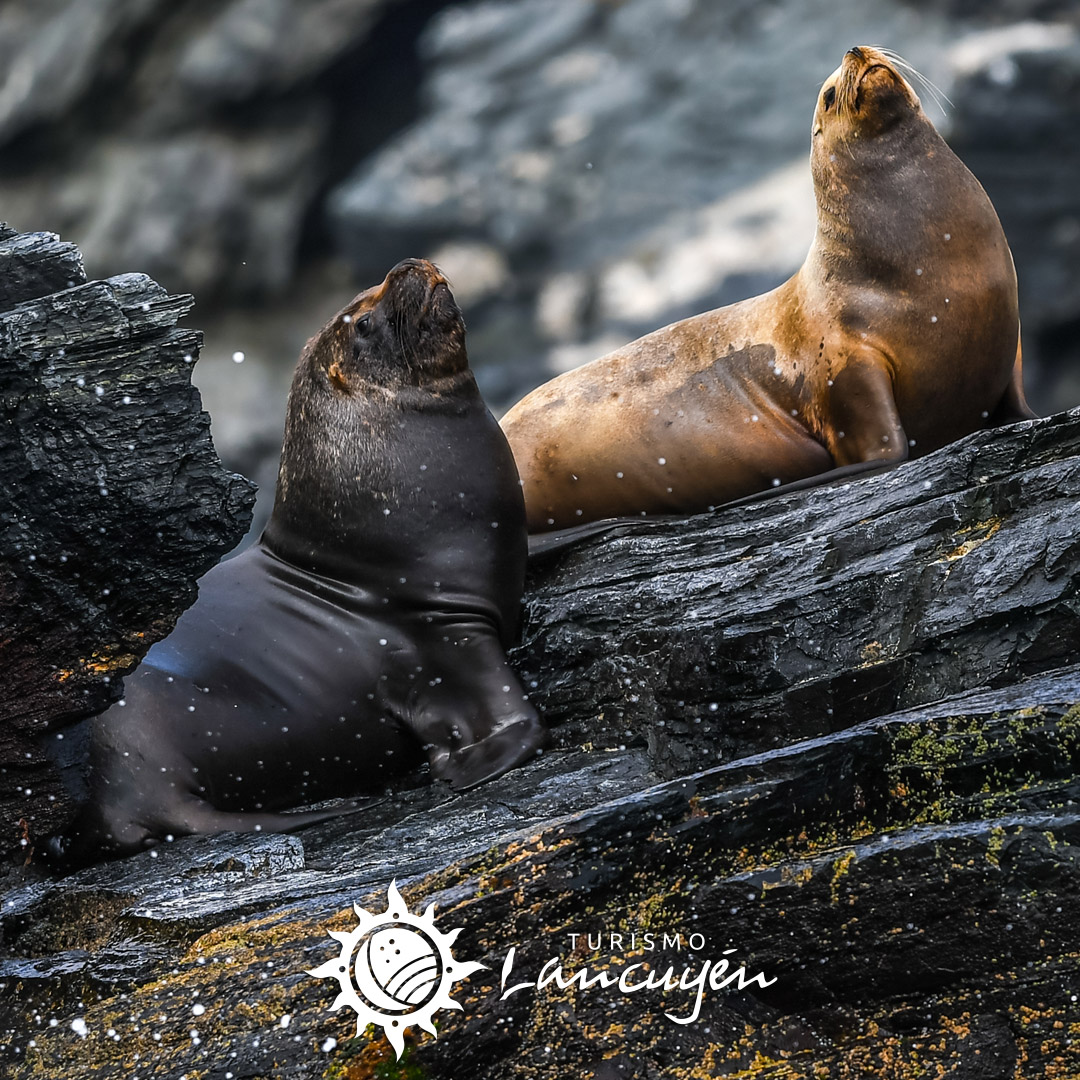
x=883, y=204
x=338, y=491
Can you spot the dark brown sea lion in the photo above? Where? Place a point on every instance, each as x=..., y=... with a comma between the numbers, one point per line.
x=368, y=624
x=899, y=334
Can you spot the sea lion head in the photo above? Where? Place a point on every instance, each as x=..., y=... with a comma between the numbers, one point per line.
x=397, y=350
x=864, y=103
x=406, y=331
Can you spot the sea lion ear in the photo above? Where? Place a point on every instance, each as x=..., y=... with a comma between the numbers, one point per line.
x=343, y=351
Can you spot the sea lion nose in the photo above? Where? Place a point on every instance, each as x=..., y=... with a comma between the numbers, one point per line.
x=856, y=52
x=406, y=265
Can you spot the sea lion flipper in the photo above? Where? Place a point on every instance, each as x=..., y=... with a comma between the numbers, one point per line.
x=865, y=422
x=547, y=544
x=475, y=719
x=1013, y=406
x=469, y=766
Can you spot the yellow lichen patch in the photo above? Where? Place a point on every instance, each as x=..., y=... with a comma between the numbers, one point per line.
x=977, y=535
x=798, y=875
x=872, y=652
x=101, y=663
x=840, y=869
x=371, y=1057
x=242, y=940
x=994, y=845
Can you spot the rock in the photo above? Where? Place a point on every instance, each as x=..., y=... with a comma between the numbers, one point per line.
x=1017, y=105
x=629, y=160
x=190, y=140
x=52, y=54
x=169, y=204
x=797, y=616
x=113, y=502
x=880, y=814
x=256, y=48
x=1000, y=11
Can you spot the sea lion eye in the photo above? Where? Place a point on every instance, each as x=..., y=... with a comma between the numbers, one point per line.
x=363, y=324
x=829, y=97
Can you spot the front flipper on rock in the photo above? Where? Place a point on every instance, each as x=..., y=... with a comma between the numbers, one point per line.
x=474, y=717
x=471, y=764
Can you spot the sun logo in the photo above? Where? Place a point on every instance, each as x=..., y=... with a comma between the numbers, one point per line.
x=395, y=969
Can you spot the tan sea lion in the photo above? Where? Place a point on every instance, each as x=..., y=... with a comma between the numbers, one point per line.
x=900, y=333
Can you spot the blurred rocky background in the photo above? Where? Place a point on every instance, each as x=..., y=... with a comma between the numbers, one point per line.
x=584, y=170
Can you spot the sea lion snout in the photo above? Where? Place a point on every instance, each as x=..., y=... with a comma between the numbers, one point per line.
x=421, y=288
x=418, y=271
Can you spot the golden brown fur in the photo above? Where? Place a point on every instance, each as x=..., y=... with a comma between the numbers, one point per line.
x=899, y=334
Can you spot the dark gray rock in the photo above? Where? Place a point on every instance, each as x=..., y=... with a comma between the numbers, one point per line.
x=51, y=54
x=248, y=49
x=1006, y=12
x=215, y=210
x=881, y=814
x=33, y=264
x=740, y=631
x=112, y=501
x=1017, y=109
x=188, y=139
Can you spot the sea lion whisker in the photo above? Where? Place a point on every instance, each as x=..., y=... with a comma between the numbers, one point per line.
x=930, y=87
x=924, y=81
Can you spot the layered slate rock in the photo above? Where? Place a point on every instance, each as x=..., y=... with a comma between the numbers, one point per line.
x=733, y=633
x=112, y=502
x=880, y=814
x=188, y=139
x=1017, y=103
